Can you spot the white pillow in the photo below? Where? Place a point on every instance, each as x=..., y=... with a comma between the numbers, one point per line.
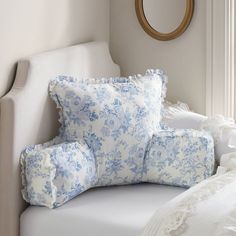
x=179, y=116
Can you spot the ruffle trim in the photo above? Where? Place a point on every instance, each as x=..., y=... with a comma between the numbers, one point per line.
x=171, y=110
x=164, y=78
x=176, y=213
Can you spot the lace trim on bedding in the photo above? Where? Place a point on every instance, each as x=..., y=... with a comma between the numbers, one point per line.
x=174, y=223
x=110, y=80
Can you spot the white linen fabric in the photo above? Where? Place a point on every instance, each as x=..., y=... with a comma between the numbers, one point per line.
x=227, y=163
x=115, y=117
x=116, y=211
x=208, y=208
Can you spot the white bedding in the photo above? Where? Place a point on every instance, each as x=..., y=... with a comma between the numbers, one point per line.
x=115, y=211
x=207, y=209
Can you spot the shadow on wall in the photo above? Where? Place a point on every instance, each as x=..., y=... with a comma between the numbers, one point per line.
x=35, y=26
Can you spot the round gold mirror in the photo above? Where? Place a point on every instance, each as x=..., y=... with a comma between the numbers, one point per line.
x=164, y=19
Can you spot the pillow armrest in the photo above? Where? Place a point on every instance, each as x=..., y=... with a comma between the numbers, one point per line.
x=53, y=175
x=180, y=158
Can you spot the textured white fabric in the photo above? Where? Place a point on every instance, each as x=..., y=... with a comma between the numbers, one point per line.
x=207, y=209
x=179, y=116
x=111, y=211
x=227, y=163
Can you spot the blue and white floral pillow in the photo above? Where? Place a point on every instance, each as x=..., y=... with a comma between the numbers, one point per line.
x=52, y=175
x=115, y=117
x=111, y=134
x=179, y=158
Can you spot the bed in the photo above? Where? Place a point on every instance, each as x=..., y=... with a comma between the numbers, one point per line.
x=28, y=116
x=123, y=210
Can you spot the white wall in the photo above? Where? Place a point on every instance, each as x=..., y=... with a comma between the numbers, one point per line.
x=184, y=59
x=28, y=27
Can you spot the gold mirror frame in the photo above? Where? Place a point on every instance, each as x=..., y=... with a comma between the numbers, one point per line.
x=164, y=36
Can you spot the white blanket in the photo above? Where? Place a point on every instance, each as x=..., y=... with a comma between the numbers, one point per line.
x=208, y=209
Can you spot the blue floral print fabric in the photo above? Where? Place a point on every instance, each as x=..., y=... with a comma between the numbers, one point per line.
x=179, y=158
x=115, y=117
x=111, y=134
x=53, y=175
